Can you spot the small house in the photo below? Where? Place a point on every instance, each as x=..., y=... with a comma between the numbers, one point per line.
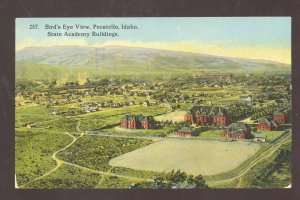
x=259, y=138
x=185, y=131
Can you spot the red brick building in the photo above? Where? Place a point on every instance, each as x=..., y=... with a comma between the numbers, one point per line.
x=184, y=131
x=237, y=131
x=137, y=122
x=280, y=116
x=209, y=115
x=266, y=124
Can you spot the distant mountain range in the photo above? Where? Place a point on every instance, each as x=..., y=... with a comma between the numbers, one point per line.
x=112, y=59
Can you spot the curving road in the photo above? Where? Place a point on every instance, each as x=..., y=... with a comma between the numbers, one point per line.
x=264, y=155
x=58, y=161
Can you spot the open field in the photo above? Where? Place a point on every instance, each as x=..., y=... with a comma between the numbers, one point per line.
x=33, y=152
x=176, y=116
x=264, y=155
x=161, y=131
x=67, y=177
x=34, y=114
x=211, y=134
x=248, y=120
x=95, y=152
x=118, y=98
x=192, y=156
x=271, y=135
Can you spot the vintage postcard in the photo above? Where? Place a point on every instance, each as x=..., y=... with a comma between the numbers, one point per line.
x=181, y=103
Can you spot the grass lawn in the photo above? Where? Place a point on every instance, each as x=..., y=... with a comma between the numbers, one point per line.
x=159, y=131
x=211, y=134
x=248, y=121
x=176, y=116
x=271, y=135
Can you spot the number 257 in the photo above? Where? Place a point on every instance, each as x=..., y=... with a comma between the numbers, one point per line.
x=33, y=26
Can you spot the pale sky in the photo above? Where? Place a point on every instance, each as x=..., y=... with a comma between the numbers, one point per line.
x=266, y=38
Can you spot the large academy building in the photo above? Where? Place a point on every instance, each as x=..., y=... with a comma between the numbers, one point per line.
x=209, y=115
x=137, y=122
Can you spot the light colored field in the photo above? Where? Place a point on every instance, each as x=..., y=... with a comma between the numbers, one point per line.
x=248, y=121
x=176, y=116
x=192, y=156
x=271, y=135
x=211, y=134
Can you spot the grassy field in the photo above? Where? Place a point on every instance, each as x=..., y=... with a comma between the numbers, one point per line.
x=136, y=173
x=33, y=150
x=271, y=135
x=248, y=120
x=34, y=114
x=67, y=177
x=211, y=134
x=118, y=182
x=62, y=124
x=118, y=98
x=176, y=116
x=95, y=152
x=229, y=184
x=272, y=173
x=162, y=131
x=192, y=156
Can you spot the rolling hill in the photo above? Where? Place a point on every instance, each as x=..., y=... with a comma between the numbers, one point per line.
x=37, y=62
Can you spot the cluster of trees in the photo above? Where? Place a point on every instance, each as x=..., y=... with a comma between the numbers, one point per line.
x=260, y=112
x=168, y=180
x=255, y=113
x=26, y=85
x=238, y=112
x=174, y=125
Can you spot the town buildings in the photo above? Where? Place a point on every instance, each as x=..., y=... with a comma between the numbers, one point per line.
x=213, y=76
x=209, y=115
x=237, y=131
x=280, y=116
x=266, y=124
x=185, y=131
x=137, y=122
